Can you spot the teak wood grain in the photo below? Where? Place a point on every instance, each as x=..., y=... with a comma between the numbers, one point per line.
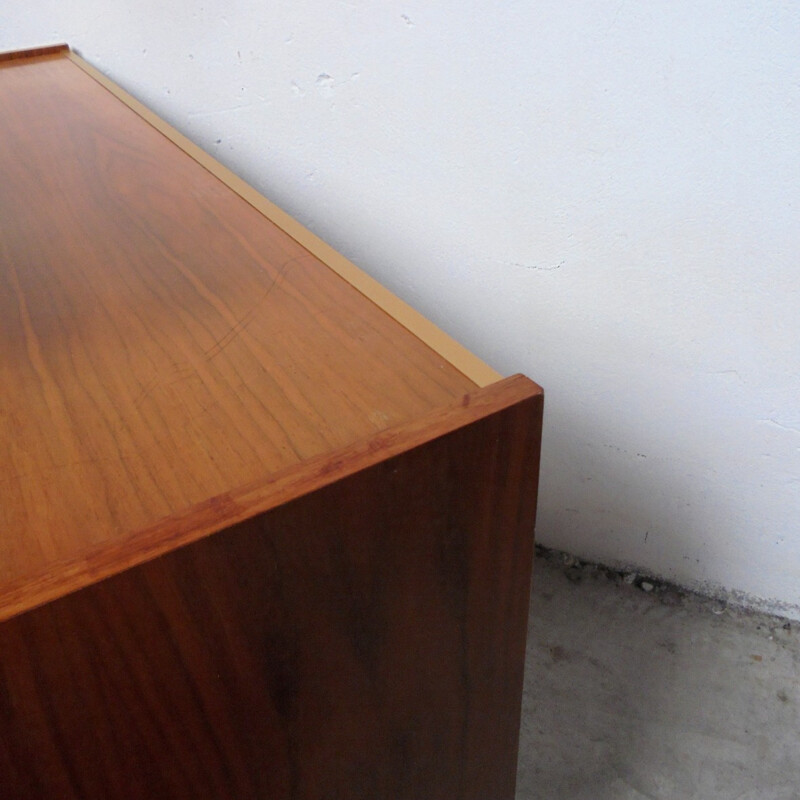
x=454, y=352
x=162, y=341
x=246, y=501
x=363, y=641
x=264, y=532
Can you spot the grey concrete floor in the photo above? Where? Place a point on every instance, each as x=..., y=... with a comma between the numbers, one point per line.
x=633, y=694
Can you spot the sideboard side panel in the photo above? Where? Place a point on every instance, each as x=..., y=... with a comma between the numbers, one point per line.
x=364, y=641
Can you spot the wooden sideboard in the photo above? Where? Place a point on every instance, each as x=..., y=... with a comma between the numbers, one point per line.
x=265, y=532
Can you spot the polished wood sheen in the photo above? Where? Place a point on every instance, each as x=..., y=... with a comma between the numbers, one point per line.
x=468, y=363
x=259, y=536
x=162, y=340
x=364, y=641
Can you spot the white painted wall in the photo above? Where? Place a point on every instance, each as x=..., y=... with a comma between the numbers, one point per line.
x=600, y=193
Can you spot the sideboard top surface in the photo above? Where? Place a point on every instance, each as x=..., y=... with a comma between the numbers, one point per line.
x=163, y=342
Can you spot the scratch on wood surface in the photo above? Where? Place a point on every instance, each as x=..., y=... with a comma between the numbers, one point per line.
x=185, y=369
x=242, y=322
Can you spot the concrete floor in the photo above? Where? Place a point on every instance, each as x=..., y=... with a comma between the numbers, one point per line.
x=633, y=694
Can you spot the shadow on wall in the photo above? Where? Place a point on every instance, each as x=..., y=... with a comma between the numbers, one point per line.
x=619, y=497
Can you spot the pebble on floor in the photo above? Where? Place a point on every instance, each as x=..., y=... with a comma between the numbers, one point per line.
x=634, y=689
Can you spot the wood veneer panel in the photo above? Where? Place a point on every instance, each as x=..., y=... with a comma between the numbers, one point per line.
x=162, y=341
x=220, y=511
x=363, y=641
x=454, y=352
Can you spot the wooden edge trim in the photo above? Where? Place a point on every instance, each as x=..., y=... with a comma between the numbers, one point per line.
x=443, y=344
x=35, y=52
x=223, y=511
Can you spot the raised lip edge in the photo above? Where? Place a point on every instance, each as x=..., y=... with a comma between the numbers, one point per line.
x=61, y=578
x=458, y=356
